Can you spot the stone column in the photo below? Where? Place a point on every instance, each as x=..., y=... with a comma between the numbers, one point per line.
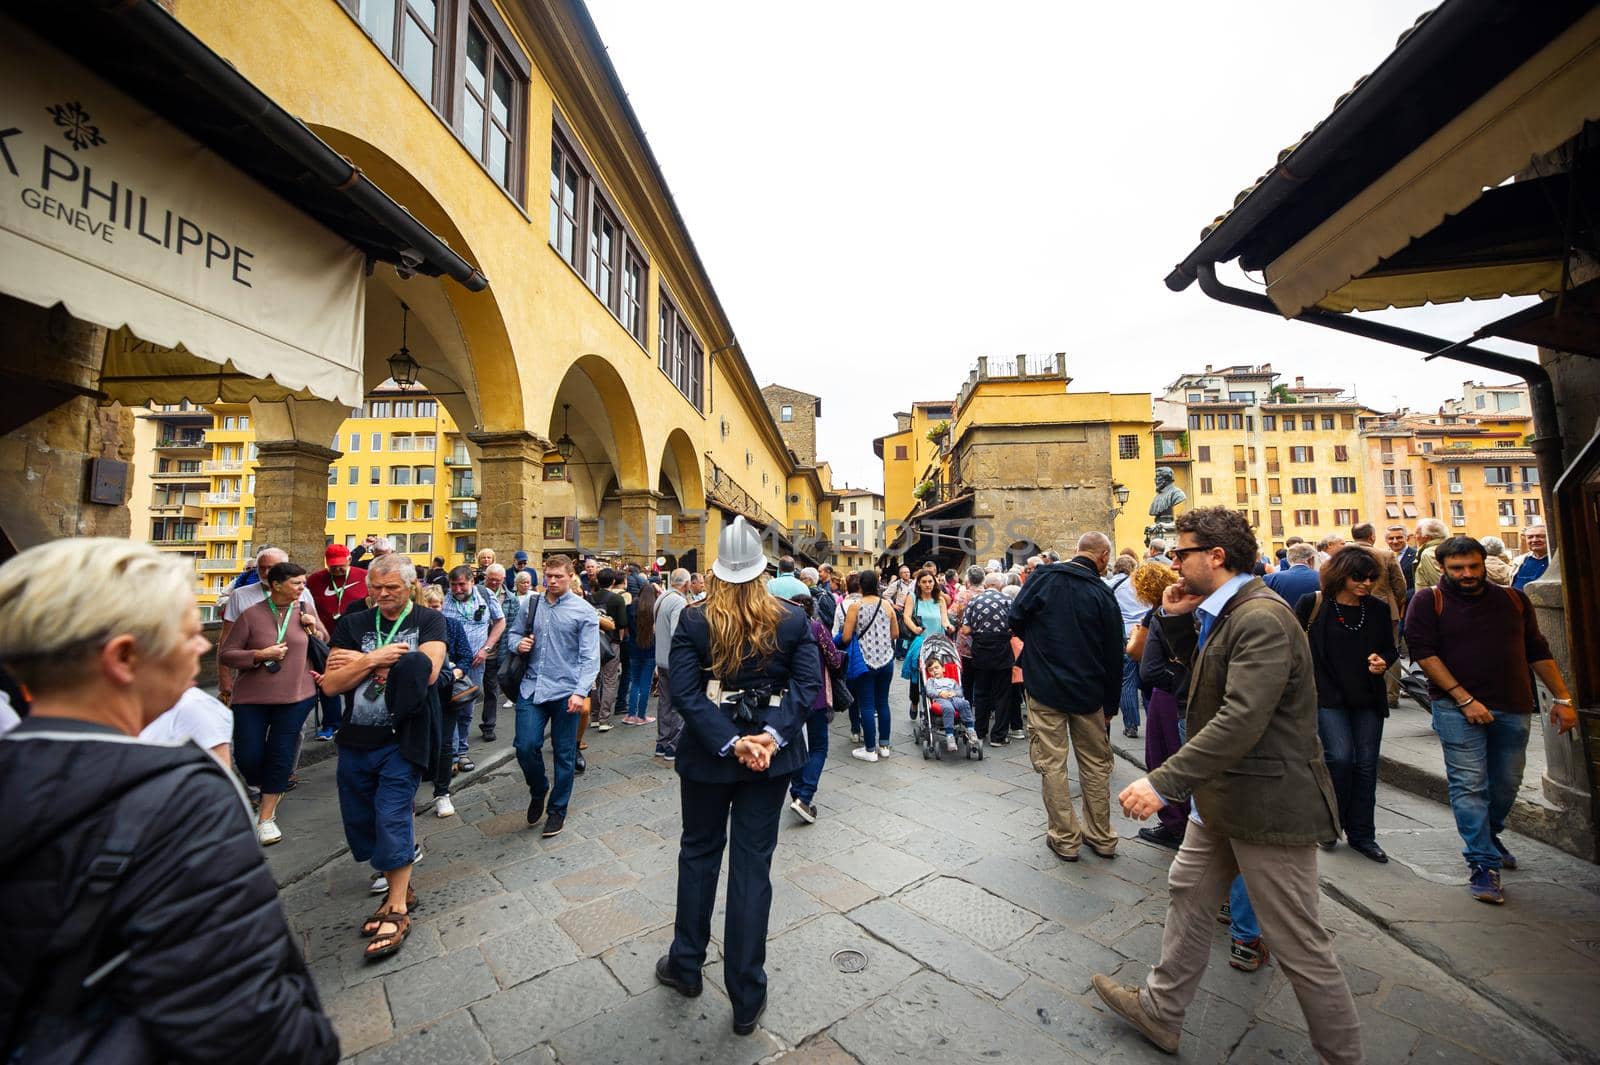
x=511, y=491
x=1566, y=776
x=636, y=540
x=292, y=498
x=588, y=541
x=54, y=428
x=689, y=534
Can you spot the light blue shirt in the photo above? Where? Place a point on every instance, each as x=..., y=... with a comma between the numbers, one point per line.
x=566, y=648
x=466, y=612
x=1133, y=611
x=787, y=586
x=1212, y=607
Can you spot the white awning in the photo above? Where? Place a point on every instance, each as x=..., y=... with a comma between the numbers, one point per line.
x=1538, y=107
x=132, y=225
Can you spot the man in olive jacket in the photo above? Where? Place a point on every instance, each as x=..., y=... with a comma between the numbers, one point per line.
x=1263, y=799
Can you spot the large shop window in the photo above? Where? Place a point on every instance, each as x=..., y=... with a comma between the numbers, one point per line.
x=460, y=57
x=681, y=356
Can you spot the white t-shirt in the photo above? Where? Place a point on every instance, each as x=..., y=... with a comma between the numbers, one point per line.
x=197, y=716
x=242, y=599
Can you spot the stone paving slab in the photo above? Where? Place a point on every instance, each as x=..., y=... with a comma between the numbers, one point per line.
x=980, y=944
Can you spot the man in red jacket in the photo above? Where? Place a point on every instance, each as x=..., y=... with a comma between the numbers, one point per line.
x=338, y=590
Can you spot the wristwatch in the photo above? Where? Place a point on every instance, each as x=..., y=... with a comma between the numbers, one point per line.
x=1562, y=702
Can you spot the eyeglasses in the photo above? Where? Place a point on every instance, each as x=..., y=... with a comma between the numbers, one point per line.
x=1179, y=552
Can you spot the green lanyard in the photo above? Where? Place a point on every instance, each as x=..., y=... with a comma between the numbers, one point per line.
x=377, y=625
x=283, y=622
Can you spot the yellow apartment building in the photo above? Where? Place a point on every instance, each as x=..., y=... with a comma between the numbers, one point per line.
x=405, y=474
x=1016, y=463
x=1468, y=465
x=1289, y=457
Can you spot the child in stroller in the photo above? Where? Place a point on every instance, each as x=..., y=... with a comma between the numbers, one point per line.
x=941, y=688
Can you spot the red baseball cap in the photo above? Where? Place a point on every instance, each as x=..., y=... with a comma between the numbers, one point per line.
x=337, y=555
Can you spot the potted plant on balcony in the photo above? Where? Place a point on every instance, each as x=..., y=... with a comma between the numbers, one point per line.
x=938, y=431
x=922, y=491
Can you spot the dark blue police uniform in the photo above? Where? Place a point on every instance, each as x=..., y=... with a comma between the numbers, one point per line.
x=716, y=788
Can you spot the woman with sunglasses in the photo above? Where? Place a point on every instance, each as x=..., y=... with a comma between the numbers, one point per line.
x=1352, y=645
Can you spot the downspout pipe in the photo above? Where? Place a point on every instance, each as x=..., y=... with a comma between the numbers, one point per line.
x=1546, y=442
x=148, y=25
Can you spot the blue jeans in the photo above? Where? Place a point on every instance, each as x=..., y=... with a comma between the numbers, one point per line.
x=376, y=792
x=1350, y=741
x=330, y=710
x=626, y=653
x=1130, y=692
x=804, y=785
x=952, y=708
x=871, y=690
x=532, y=719
x=1245, y=927
x=264, y=739
x=462, y=712
x=1483, y=764
x=641, y=669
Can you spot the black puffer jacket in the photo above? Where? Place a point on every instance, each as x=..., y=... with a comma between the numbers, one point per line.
x=212, y=973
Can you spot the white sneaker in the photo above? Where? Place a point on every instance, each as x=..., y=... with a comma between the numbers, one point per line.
x=973, y=739
x=864, y=754
x=507, y=705
x=380, y=885
x=884, y=751
x=267, y=833
x=950, y=741
x=444, y=807
x=1017, y=734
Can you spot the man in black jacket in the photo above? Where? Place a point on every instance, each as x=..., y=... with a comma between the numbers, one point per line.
x=1071, y=632
x=129, y=860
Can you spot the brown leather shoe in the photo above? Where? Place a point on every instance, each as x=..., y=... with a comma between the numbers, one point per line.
x=1124, y=1001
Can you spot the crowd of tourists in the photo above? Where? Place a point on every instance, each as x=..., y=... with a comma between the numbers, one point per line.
x=1261, y=685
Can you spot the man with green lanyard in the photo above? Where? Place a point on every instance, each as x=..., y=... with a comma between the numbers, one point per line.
x=388, y=658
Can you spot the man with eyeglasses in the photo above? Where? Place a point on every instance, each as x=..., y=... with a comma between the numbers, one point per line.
x=1263, y=798
x=484, y=619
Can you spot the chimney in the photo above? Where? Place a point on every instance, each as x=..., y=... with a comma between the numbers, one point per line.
x=1208, y=367
x=1266, y=367
x=1299, y=382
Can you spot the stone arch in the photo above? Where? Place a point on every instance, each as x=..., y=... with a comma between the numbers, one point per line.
x=682, y=469
x=469, y=362
x=605, y=429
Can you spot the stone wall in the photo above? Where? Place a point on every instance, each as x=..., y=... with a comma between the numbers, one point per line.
x=1049, y=486
x=799, y=435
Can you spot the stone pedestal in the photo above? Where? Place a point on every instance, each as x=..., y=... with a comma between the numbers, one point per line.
x=636, y=539
x=511, y=491
x=292, y=498
x=1566, y=779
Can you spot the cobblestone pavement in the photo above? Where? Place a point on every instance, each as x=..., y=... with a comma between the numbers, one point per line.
x=979, y=943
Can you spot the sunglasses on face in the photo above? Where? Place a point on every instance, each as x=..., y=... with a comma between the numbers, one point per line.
x=1179, y=553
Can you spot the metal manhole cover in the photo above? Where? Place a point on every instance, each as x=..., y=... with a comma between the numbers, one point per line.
x=849, y=960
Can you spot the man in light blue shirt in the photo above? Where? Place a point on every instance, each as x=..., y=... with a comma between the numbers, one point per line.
x=559, y=634
x=786, y=585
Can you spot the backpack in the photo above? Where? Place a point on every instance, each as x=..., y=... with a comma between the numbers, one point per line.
x=65, y=1019
x=1438, y=601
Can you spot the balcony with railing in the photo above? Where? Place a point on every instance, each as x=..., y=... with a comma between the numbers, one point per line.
x=225, y=564
x=462, y=518
x=223, y=465
x=195, y=474
x=185, y=442
x=463, y=488
x=222, y=499
x=458, y=457
x=223, y=532
x=176, y=509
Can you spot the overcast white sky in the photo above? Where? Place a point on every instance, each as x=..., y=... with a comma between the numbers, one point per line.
x=883, y=191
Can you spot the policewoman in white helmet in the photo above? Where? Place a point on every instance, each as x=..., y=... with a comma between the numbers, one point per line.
x=744, y=672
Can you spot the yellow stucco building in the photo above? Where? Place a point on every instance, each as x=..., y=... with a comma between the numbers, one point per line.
x=1289, y=457
x=1015, y=463
x=1467, y=465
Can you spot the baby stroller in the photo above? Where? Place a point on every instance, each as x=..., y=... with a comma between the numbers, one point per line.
x=938, y=652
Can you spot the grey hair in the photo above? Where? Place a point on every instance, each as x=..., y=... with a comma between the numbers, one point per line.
x=680, y=577
x=810, y=574
x=1052, y=556
x=494, y=567
x=1159, y=546
x=1428, y=528
x=269, y=549
x=1093, y=543
x=523, y=575
x=383, y=543
x=1328, y=541
x=1124, y=564
x=1493, y=545
x=1013, y=580
x=1301, y=552
x=994, y=580
x=1011, y=591
x=975, y=575
x=392, y=563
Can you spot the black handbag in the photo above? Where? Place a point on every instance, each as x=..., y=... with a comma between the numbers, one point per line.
x=316, y=650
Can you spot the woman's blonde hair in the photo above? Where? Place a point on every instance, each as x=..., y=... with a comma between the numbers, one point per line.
x=742, y=618
x=137, y=591
x=1150, y=580
x=431, y=595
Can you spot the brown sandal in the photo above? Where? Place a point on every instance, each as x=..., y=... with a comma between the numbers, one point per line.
x=386, y=943
x=369, y=927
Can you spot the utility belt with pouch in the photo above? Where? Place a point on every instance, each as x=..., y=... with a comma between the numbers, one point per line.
x=747, y=707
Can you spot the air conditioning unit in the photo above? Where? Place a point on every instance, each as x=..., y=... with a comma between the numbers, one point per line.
x=1276, y=501
x=1455, y=486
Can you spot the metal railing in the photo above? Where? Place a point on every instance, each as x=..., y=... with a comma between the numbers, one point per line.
x=222, y=465
x=222, y=498
x=208, y=565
